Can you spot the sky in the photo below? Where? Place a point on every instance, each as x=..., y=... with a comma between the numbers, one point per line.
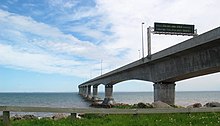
x=55, y=45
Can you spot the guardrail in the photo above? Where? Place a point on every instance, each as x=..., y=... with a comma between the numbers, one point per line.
x=73, y=111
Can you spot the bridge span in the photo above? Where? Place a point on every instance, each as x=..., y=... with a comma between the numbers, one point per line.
x=194, y=57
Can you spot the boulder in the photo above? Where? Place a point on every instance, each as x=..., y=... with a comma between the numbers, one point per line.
x=80, y=115
x=16, y=117
x=75, y=116
x=96, y=99
x=141, y=105
x=89, y=98
x=98, y=105
x=148, y=105
x=59, y=116
x=212, y=104
x=135, y=106
x=160, y=104
x=95, y=105
x=28, y=117
x=196, y=105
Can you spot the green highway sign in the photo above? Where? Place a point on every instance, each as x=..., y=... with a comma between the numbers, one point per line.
x=175, y=29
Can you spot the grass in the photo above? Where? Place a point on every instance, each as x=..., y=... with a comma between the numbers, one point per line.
x=193, y=119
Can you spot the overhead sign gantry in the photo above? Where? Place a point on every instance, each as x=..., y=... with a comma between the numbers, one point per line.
x=169, y=29
x=174, y=29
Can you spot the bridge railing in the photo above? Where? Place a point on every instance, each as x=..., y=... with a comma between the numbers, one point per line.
x=74, y=111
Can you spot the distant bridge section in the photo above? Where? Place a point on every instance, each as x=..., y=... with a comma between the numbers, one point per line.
x=197, y=56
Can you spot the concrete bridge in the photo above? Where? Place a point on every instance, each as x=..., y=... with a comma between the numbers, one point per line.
x=197, y=56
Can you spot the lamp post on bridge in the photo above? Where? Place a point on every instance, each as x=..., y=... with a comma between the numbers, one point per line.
x=101, y=67
x=139, y=54
x=142, y=38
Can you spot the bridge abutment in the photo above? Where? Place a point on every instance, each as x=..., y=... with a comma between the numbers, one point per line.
x=108, y=95
x=165, y=92
x=95, y=93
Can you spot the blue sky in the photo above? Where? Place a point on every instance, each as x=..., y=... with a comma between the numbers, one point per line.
x=54, y=45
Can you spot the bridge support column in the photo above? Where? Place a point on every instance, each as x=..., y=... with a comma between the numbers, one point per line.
x=89, y=96
x=80, y=91
x=108, y=95
x=165, y=92
x=95, y=93
x=85, y=91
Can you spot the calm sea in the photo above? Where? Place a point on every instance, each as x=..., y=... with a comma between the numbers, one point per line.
x=68, y=100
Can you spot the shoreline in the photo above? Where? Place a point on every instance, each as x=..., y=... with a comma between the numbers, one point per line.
x=140, y=105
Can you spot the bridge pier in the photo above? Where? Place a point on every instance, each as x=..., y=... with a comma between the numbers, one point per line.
x=84, y=91
x=89, y=96
x=165, y=92
x=80, y=91
x=108, y=95
x=95, y=93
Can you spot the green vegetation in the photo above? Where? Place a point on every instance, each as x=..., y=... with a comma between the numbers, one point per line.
x=193, y=119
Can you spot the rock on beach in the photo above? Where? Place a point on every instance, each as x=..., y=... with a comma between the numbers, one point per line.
x=196, y=105
x=59, y=116
x=160, y=104
x=24, y=117
x=212, y=104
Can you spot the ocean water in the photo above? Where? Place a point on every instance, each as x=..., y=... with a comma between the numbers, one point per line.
x=62, y=100
x=69, y=100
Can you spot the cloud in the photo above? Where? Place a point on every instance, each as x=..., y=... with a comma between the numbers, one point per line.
x=83, y=20
x=63, y=4
x=31, y=45
x=36, y=46
x=71, y=10
x=80, y=35
x=126, y=18
x=35, y=61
